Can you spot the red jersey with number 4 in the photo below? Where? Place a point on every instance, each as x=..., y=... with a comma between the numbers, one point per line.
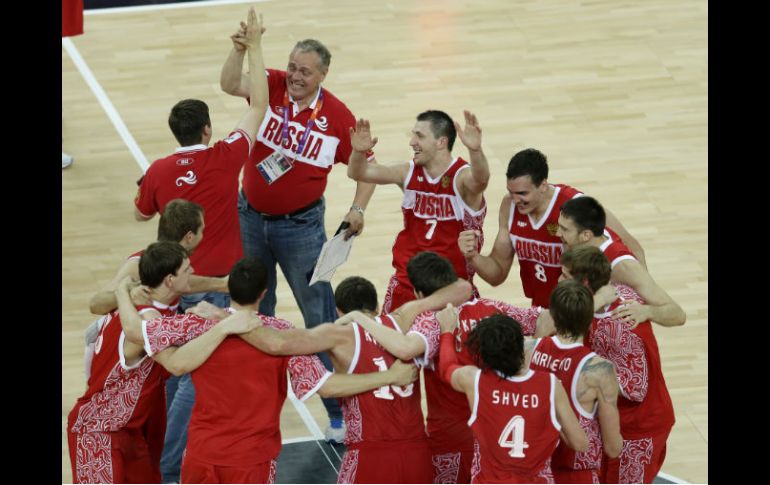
x=514, y=422
x=434, y=216
x=566, y=361
x=537, y=246
x=389, y=413
x=448, y=410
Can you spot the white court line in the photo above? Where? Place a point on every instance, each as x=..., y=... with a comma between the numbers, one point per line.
x=303, y=412
x=166, y=6
x=101, y=96
x=309, y=421
x=301, y=439
x=671, y=478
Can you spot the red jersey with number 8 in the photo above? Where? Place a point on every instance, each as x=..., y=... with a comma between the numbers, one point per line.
x=538, y=247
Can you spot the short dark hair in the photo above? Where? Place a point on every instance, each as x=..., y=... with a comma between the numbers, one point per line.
x=187, y=120
x=429, y=272
x=355, y=293
x=441, y=124
x=497, y=343
x=160, y=259
x=572, y=308
x=312, y=45
x=179, y=217
x=587, y=213
x=528, y=162
x=587, y=263
x=248, y=279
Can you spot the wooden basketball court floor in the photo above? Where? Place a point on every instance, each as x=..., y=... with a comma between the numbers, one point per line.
x=613, y=92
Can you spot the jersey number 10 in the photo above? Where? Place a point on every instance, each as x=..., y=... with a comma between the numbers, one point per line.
x=384, y=391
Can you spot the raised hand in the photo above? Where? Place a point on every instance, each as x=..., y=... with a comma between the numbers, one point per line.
x=361, y=137
x=254, y=28
x=468, y=242
x=239, y=38
x=471, y=134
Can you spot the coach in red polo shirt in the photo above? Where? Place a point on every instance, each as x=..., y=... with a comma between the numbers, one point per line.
x=304, y=133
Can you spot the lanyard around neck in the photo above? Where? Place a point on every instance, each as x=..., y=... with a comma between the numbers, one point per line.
x=310, y=122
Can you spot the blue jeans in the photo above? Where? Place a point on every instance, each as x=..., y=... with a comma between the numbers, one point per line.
x=180, y=398
x=294, y=243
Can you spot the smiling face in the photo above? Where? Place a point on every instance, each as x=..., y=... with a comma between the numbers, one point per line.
x=526, y=195
x=424, y=143
x=303, y=75
x=569, y=233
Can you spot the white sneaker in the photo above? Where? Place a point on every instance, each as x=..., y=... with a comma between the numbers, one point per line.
x=66, y=160
x=336, y=435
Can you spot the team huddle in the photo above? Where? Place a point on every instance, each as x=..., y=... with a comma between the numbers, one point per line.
x=187, y=365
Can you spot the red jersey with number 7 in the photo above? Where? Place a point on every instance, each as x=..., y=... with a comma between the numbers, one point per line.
x=538, y=247
x=434, y=216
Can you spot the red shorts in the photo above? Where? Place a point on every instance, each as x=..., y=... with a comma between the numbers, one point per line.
x=115, y=457
x=396, y=295
x=639, y=461
x=194, y=471
x=452, y=467
x=398, y=462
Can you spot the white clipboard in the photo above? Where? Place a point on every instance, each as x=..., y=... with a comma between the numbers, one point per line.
x=333, y=254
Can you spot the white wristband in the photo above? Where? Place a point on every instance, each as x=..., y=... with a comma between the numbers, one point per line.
x=357, y=209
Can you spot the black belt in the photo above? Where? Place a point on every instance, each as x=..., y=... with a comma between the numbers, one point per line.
x=271, y=217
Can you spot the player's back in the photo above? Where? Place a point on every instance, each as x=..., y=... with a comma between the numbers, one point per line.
x=566, y=361
x=119, y=396
x=385, y=433
x=389, y=413
x=448, y=410
x=514, y=422
x=209, y=177
x=240, y=392
x=644, y=404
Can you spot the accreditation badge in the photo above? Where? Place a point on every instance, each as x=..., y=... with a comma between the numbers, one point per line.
x=274, y=167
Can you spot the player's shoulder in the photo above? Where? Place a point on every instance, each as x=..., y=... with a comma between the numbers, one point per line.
x=276, y=323
x=567, y=192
